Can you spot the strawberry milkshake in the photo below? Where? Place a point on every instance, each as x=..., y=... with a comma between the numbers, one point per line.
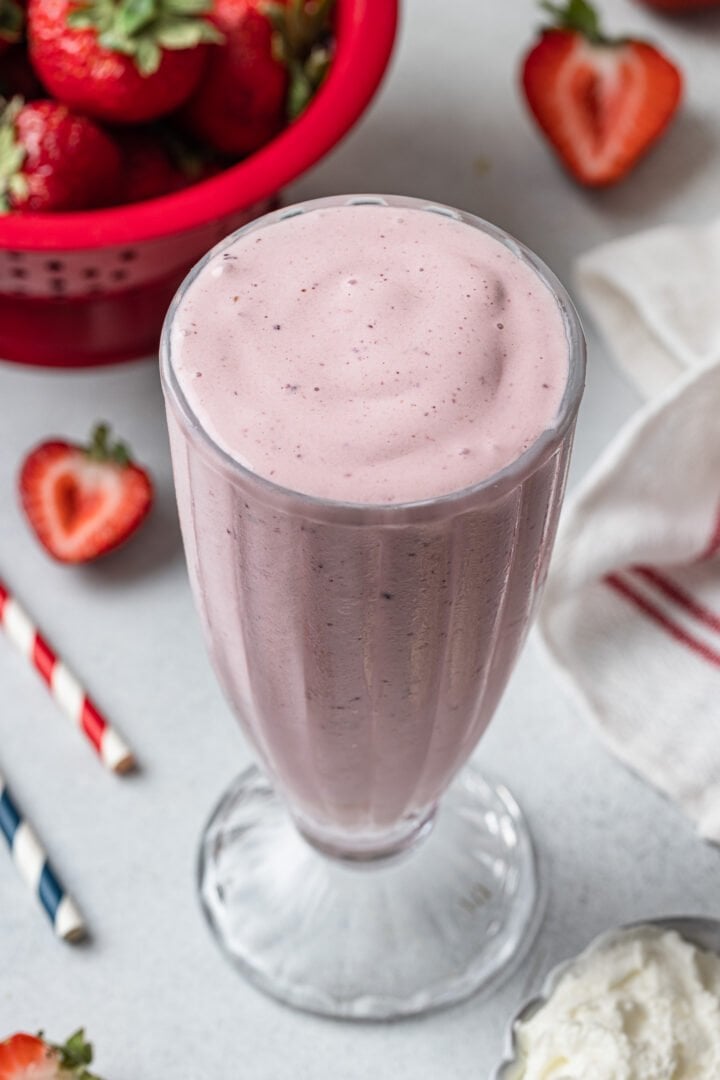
x=371, y=406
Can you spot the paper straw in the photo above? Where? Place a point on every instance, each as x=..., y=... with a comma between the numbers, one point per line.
x=35, y=870
x=63, y=685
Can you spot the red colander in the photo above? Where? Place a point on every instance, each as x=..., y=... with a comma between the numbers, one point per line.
x=93, y=287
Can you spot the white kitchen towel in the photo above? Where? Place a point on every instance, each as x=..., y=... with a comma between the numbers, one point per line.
x=632, y=609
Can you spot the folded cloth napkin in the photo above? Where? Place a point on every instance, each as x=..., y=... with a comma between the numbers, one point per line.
x=632, y=609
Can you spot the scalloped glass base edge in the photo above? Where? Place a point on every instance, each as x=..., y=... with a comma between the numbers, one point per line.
x=381, y=940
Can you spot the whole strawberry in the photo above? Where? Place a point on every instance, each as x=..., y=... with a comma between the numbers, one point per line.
x=148, y=171
x=120, y=60
x=30, y=1057
x=240, y=103
x=601, y=102
x=82, y=501
x=275, y=55
x=53, y=159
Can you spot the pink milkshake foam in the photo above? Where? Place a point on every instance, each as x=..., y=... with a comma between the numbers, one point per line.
x=370, y=354
x=377, y=355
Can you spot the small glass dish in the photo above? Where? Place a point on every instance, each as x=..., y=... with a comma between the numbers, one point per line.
x=701, y=931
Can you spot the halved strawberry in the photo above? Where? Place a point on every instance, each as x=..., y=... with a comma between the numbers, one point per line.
x=601, y=102
x=83, y=501
x=30, y=1057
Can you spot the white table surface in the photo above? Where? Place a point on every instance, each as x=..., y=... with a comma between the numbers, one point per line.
x=151, y=987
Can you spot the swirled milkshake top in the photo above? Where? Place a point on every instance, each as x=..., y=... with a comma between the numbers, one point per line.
x=371, y=354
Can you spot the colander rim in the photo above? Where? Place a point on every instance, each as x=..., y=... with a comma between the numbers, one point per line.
x=366, y=31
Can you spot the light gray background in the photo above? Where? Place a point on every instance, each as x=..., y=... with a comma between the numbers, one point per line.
x=152, y=989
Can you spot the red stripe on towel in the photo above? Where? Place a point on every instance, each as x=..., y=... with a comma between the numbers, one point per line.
x=679, y=596
x=661, y=619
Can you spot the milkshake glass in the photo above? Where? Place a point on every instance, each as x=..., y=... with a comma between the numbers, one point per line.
x=363, y=618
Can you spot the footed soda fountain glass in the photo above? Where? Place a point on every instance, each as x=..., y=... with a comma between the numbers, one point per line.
x=365, y=869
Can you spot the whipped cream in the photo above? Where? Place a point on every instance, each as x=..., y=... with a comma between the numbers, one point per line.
x=644, y=1006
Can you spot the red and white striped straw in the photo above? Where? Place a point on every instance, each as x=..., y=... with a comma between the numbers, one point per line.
x=63, y=685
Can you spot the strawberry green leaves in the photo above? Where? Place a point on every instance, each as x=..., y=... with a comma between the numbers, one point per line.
x=101, y=449
x=577, y=15
x=303, y=43
x=12, y=157
x=141, y=29
x=75, y=1054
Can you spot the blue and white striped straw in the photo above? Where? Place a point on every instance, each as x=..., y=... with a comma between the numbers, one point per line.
x=34, y=867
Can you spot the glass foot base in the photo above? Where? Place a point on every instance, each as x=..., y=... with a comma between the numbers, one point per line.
x=371, y=940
